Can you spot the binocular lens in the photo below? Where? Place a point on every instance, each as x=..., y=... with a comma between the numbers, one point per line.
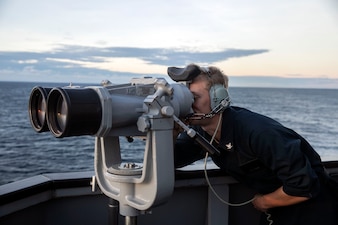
x=38, y=108
x=73, y=111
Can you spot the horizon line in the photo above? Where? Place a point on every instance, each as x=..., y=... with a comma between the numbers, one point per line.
x=242, y=81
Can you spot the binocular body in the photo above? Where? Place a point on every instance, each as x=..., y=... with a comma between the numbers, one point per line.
x=109, y=110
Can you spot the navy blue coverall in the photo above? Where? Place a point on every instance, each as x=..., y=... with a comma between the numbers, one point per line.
x=263, y=154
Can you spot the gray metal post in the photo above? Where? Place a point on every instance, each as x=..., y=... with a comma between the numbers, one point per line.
x=113, y=212
x=131, y=220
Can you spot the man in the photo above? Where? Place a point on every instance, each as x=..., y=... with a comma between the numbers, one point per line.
x=278, y=163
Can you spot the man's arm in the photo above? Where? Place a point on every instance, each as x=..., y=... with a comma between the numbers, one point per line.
x=277, y=198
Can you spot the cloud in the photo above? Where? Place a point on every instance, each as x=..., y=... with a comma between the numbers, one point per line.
x=29, y=61
x=160, y=56
x=91, y=62
x=81, y=64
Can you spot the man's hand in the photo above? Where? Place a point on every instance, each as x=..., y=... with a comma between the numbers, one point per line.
x=259, y=203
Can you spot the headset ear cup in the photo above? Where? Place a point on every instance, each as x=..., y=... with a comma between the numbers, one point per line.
x=217, y=93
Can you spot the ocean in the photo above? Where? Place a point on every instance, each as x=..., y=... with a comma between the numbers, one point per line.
x=313, y=113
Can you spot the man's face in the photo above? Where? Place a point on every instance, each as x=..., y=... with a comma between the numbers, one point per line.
x=201, y=96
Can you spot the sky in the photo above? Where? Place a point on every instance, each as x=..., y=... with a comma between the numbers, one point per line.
x=268, y=43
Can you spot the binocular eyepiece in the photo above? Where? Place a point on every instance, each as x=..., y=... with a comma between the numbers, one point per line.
x=98, y=110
